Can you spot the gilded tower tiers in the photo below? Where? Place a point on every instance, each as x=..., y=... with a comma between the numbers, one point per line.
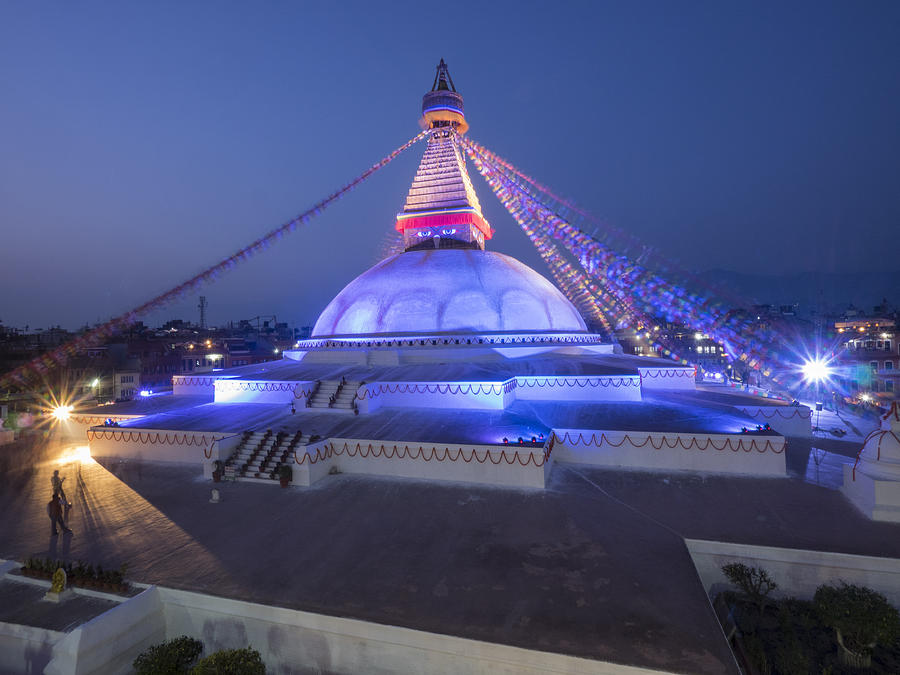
x=442, y=209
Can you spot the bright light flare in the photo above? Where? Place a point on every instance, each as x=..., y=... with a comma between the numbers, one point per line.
x=81, y=453
x=816, y=370
x=62, y=412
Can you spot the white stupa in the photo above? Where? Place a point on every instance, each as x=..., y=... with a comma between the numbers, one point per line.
x=873, y=482
x=450, y=362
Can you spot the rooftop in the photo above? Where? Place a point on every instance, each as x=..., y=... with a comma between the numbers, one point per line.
x=596, y=565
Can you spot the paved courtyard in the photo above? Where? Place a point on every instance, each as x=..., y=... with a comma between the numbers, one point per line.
x=595, y=565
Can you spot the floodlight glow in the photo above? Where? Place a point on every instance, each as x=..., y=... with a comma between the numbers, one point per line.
x=81, y=453
x=865, y=398
x=816, y=370
x=145, y=392
x=95, y=382
x=62, y=412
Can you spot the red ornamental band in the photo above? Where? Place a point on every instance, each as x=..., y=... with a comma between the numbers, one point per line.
x=426, y=454
x=881, y=433
x=191, y=381
x=98, y=419
x=794, y=412
x=454, y=389
x=152, y=437
x=670, y=372
x=446, y=220
x=662, y=441
x=244, y=385
x=551, y=382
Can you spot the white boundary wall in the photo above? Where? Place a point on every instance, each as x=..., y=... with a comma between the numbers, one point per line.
x=294, y=641
x=311, y=471
x=407, y=459
x=578, y=388
x=798, y=572
x=745, y=454
x=194, y=385
x=221, y=450
x=263, y=391
x=668, y=378
x=25, y=649
x=110, y=642
x=191, y=447
x=787, y=420
x=451, y=395
x=75, y=429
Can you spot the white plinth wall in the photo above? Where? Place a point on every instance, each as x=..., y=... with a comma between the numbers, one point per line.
x=744, y=454
x=190, y=447
x=506, y=466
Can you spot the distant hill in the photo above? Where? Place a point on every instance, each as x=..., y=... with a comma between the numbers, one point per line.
x=864, y=290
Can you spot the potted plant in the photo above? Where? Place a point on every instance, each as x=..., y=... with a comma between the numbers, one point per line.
x=218, y=470
x=285, y=474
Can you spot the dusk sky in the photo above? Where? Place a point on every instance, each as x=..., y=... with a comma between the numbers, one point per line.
x=142, y=142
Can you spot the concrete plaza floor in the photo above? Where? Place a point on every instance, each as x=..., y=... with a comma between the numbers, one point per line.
x=594, y=566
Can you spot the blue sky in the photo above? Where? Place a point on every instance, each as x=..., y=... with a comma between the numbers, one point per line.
x=141, y=142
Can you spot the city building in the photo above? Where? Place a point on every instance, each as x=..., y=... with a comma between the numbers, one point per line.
x=868, y=356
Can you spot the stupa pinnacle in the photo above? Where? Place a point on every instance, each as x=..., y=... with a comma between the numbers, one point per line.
x=442, y=209
x=443, y=105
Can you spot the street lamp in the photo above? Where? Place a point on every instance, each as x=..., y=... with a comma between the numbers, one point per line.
x=817, y=370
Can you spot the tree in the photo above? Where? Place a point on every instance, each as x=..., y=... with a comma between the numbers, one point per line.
x=244, y=661
x=861, y=618
x=171, y=657
x=754, y=582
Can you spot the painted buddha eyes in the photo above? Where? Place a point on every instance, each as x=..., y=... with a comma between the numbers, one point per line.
x=447, y=231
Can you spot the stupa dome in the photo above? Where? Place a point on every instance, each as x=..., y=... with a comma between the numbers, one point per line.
x=448, y=290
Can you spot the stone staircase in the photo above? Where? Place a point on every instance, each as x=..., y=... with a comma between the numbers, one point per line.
x=334, y=395
x=260, y=453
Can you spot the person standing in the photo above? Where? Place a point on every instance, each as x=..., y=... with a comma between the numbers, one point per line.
x=56, y=482
x=55, y=511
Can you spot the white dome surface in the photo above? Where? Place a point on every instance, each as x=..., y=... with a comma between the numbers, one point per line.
x=448, y=290
x=880, y=456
